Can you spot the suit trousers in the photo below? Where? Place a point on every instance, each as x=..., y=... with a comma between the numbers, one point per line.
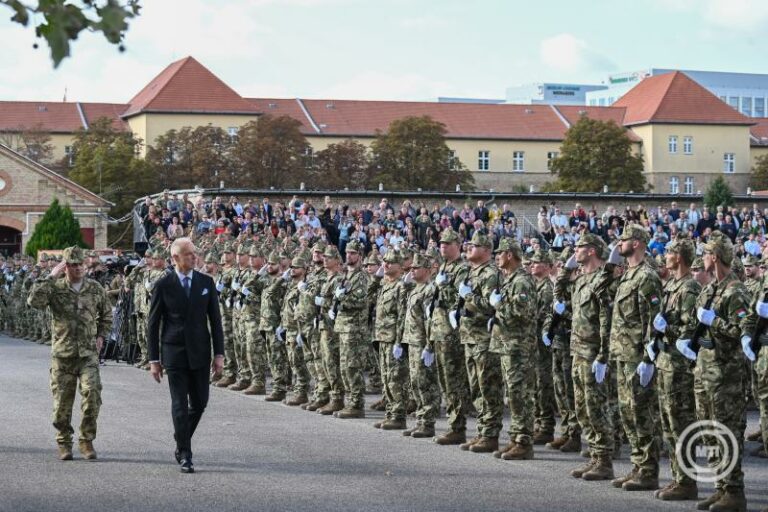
x=189, y=397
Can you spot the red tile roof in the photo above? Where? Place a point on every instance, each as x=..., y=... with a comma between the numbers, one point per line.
x=572, y=114
x=50, y=116
x=94, y=111
x=759, y=131
x=188, y=86
x=284, y=107
x=676, y=98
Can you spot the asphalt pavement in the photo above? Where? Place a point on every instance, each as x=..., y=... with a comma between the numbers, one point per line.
x=254, y=455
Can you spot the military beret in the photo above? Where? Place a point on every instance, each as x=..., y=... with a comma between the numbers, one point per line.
x=721, y=246
x=393, y=256
x=73, y=255
x=449, y=236
x=481, y=240
x=635, y=232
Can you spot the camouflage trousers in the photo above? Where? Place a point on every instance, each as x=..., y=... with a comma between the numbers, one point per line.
x=486, y=388
x=240, y=344
x=301, y=377
x=322, y=389
x=678, y=410
x=256, y=353
x=562, y=379
x=277, y=355
x=592, y=409
x=718, y=387
x=329, y=350
x=452, y=369
x=394, y=374
x=426, y=388
x=230, y=359
x=520, y=380
x=639, y=408
x=373, y=367
x=353, y=347
x=66, y=373
x=308, y=351
x=141, y=337
x=761, y=391
x=544, y=391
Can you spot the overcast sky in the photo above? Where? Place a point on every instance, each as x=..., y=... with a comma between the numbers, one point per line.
x=392, y=49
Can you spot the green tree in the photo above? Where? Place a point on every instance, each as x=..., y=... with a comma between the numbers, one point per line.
x=33, y=142
x=271, y=152
x=759, y=178
x=597, y=153
x=413, y=154
x=58, y=229
x=343, y=164
x=718, y=194
x=60, y=21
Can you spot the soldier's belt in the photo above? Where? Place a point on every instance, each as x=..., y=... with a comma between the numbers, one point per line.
x=708, y=344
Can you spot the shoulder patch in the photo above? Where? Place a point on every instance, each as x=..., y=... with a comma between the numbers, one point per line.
x=741, y=312
x=654, y=299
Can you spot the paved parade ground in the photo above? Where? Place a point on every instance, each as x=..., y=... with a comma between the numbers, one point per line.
x=254, y=455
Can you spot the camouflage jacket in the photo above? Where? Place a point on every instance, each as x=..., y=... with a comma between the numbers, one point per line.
x=390, y=311
x=78, y=317
x=753, y=287
x=448, y=300
x=514, y=326
x=679, y=306
x=254, y=284
x=544, y=300
x=483, y=279
x=239, y=278
x=290, y=303
x=332, y=281
x=224, y=287
x=307, y=311
x=352, y=314
x=415, y=317
x=271, y=302
x=637, y=301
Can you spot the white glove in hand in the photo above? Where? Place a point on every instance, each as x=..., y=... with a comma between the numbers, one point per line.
x=428, y=356
x=332, y=314
x=299, y=340
x=287, y=275
x=683, y=346
x=599, y=370
x=571, y=263
x=408, y=278
x=245, y=291
x=490, y=324
x=706, y=316
x=545, y=339
x=615, y=258
x=761, y=308
x=495, y=298
x=427, y=311
x=645, y=371
x=339, y=293
x=235, y=285
x=453, y=319
x=745, y=341
x=660, y=323
x=397, y=352
x=219, y=286
x=441, y=279
x=464, y=290
x=380, y=271
x=559, y=307
x=303, y=286
x=319, y=301
x=279, y=332
x=650, y=349
x=263, y=271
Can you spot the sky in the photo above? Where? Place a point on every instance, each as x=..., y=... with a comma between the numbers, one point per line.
x=391, y=49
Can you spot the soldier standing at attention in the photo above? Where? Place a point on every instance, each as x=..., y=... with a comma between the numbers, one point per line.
x=294, y=339
x=271, y=302
x=226, y=303
x=637, y=302
x=329, y=340
x=240, y=320
x=82, y=318
x=255, y=345
x=544, y=424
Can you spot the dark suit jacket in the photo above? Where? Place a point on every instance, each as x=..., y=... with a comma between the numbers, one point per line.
x=181, y=323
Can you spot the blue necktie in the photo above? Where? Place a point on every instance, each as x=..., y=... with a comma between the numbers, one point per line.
x=186, y=286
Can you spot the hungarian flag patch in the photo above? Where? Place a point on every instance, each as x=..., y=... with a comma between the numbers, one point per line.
x=655, y=300
x=741, y=313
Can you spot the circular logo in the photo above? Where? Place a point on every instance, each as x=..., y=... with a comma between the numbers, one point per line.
x=712, y=442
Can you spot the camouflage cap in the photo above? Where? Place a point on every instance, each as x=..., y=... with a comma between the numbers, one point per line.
x=684, y=247
x=421, y=261
x=480, y=239
x=59, y=257
x=540, y=256
x=449, y=236
x=73, y=255
x=43, y=257
x=354, y=245
x=566, y=253
x=698, y=264
x=319, y=246
x=274, y=258
x=91, y=254
x=298, y=262
x=332, y=252
x=393, y=256
x=210, y=257
x=510, y=245
x=406, y=254
x=372, y=259
x=750, y=260
x=737, y=266
x=588, y=239
x=242, y=249
x=635, y=232
x=721, y=246
x=255, y=252
x=228, y=248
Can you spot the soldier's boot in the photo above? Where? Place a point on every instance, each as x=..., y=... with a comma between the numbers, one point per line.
x=579, y=471
x=86, y=449
x=299, y=399
x=255, y=389
x=331, y=407
x=423, y=431
x=502, y=449
x=618, y=482
x=393, y=425
x=450, y=437
x=315, y=404
x=275, y=396
x=759, y=452
x=617, y=449
x=602, y=470
x=540, y=438
x=705, y=504
x=65, y=452
x=573, y=445
x=350, y=413
x=678, y=492
x=411, y=407
x=467, y=444
x=485, y=445
x=240, y=385
x=586, y=453
x=755, y=436
x=558, y=442
x=730, y=501
x=641, y=483
x=519, y=452
x=380, y=405
x=224, y=382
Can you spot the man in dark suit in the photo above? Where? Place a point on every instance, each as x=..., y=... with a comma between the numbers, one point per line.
x=185, y=303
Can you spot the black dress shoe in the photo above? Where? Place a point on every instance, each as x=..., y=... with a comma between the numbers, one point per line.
x=177, y=454
x=187, y=466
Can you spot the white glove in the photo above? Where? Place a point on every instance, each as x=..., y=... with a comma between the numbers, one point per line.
x=495, y=298
x=490, y=324
x=302, y=286
x=684, y=348
x=279, y=332
x=380, y=271
x=559, y=307
x=286, y=275
x=235, y=285
x=319, y=301
x=645, y=371
x=427, y=311
x=599, y=369
x=263, y=271
x=147, y=285
x=397, y=352
x=571, y=263
x=408, y=278
x=650, y=349
x=453, y=320
x=660, y=323
x=340, y=292
x=219, y=286
x=545, y=339
x=761, y=308
x=299, y=340
x=615, y=258
x=245, y=291
x=332, y=314
x=464, y=290
x=745, y=341
x=228, y=303
x=428, y=357
x=441, y=278
x=706, y=316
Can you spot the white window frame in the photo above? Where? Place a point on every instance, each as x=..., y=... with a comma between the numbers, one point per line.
x=309, y=157
x=687, y=145
x=232, y=131
x=518, y=161
x=688, y=186
x=70, y=156
x=729, y=163
x=551, y=156
x=672, y=144
x=674, y=185
x=484, y=160
x=452, y=160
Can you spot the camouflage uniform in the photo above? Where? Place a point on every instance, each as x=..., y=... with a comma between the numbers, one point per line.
x=329, y=340
x=309, y=319
x=288, y=317
x=79, y=317
x=255, y=344
x=226, y=303
x=271, y=302
x=240, y=314
x=545, y=402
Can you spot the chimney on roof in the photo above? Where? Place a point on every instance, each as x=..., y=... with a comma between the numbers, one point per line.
x=330, y=105
x=272, y=105
x=529, y=111
x=42, y=108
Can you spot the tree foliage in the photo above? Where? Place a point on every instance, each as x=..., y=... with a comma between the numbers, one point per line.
x=58, y=229
x=413, y=154
x=718, y=194
x=759, y=178
x=340, y=165
x=62, y=21
x=33, y=142
x=597, y=153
